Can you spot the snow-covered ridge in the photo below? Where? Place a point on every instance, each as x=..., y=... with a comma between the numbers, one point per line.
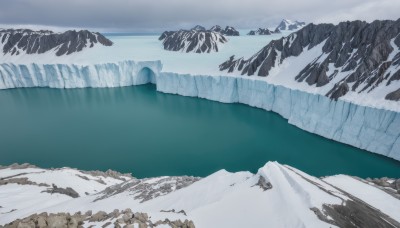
x=285, y=195
x=198, y=41
x=351, y=61
x=290, y=25
x=25, y=41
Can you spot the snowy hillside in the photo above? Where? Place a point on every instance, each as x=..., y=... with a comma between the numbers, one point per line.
x=277, y=196
x=195, y=40
x=354, y=60
x=286, y=25
x=25, y=41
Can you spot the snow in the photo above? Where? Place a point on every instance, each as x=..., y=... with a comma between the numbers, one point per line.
x=222, y=199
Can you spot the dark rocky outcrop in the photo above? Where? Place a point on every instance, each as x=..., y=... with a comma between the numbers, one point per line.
x=198, y=41
x=25, y=41
x=228, y=31
x=263, y=183
x=261, y=31
x=361, y=52
x=144, y=190
x=65, y=191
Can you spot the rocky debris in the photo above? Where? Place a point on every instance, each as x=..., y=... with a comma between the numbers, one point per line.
x=192, y=41
x=289, y=25
x=21, y=181
x=358, y=51
x=354, y=213
x=173, y=211
x=25, y=41
x=66, y=191
x=147, y=189
x=386, y=183
x=18, y=166
x=263, y=32
x=109, y=173
x=125, y=218
x=263, y=183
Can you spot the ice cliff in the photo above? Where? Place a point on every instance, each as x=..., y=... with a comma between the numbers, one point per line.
x=372, y=129
x=375, y=130
x=117, y=74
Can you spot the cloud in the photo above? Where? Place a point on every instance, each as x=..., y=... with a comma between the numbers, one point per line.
x=158, y=15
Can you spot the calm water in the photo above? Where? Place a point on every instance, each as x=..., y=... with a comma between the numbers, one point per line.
x=138, y=130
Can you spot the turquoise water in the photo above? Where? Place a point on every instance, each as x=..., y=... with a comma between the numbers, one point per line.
x=138, y=130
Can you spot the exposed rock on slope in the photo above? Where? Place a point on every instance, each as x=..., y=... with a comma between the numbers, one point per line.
x=228, y=31
x=25, y=41
x=262, y=31
x=198, y=41
x=356, y=56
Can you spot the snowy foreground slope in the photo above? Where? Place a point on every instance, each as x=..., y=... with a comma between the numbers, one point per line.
x=277, y=196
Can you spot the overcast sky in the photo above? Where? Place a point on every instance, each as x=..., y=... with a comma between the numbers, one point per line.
x=159, y=15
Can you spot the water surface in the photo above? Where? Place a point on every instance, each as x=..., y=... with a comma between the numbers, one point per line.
x=136, y=129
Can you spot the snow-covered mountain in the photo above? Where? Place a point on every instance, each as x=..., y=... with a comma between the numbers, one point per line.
x=351, y=59
x=263, y=31
x=195, y=40
x=25, y=41
x=276, y=196
x=290, y=25
x=228, y=31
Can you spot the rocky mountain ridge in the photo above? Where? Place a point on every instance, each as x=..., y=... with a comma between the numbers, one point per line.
x=26, y=41
x=196, y=40
x=352, y=56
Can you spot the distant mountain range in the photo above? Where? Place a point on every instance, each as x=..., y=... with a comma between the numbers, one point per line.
x=352, y=56
x=25, y=41
x=284, y=25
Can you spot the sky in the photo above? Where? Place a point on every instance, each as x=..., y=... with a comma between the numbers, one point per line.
x=160, y=15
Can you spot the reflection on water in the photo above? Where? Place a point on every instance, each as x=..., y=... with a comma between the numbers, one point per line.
x=139, y=130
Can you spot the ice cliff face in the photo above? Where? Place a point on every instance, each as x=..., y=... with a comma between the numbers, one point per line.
x=289, y=25
x=195, y=40
x=360, y=57
x=25, y=41
x=285, y=195
x=78, y=76
x=372, y=129
x=375, y=130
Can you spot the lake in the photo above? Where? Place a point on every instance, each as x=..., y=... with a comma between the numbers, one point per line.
x=139, y=130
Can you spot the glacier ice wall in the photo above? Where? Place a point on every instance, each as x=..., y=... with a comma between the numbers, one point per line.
x=368, y=128
x=372, y=129
x=118, y=74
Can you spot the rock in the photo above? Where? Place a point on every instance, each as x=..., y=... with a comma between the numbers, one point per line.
x=263, y=183
x=66, y=191
x=143, y=217
x=37, y=42
x=57, y=221
x=192, y=41
x=357, y=51
x=98, y=217
x=397, y=184
x=106, y=224
x=127, y=216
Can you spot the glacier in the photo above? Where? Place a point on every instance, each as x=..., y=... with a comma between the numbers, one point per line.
x=375, y=130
